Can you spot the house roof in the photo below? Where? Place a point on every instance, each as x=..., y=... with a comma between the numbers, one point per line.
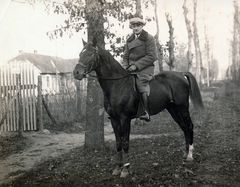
x=47, y=64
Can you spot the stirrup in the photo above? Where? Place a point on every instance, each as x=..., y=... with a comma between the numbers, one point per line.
x=145, y=117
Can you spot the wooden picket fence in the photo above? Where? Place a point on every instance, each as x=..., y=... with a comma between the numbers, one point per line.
x=18, y=97
x=28, y=104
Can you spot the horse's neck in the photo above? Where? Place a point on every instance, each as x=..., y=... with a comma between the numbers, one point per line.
x=109, y=67
x=111, y=74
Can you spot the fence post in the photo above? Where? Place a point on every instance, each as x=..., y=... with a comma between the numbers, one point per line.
x=78, y=96
x=20, y=130
x=39, y=104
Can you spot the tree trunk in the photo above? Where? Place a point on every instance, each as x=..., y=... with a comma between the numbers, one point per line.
x=189, y=30
x=235, y=42
x=170, y=43
x=207, y=56
x=237, y=65
x=138, y=8
x=94, y=135
x=158, y=45
x=197, y=47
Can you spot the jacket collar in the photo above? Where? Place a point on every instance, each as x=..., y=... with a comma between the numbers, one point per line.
x=143, y=36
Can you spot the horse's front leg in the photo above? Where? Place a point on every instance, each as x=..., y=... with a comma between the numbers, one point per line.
x=117, y=131
x=125, y=124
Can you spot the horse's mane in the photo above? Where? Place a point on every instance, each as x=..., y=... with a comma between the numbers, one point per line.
x=108, y=59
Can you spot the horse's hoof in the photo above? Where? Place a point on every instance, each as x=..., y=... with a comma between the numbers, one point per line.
x=189, y=159
x=124, y=173
x=116, y=171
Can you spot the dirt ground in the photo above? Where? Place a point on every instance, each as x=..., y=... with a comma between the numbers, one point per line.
x=156, y=149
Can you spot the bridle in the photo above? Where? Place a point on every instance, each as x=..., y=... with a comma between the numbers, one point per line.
x=97, y=64
x=89, y=70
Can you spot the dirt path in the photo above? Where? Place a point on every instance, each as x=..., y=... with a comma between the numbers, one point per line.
x=219, y=151
x=41, y=146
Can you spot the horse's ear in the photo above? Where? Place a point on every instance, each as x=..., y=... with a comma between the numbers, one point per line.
x=94, y=41
x=84, y=43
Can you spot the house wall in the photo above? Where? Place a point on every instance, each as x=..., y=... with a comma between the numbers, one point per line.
x=50, y=83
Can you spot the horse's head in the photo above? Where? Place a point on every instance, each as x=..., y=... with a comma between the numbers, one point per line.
x=88, y=59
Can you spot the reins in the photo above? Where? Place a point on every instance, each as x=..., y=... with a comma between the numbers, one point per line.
x=108, y=78
x=95, y=76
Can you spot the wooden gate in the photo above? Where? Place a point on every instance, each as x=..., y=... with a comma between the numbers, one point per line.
x=18, y=97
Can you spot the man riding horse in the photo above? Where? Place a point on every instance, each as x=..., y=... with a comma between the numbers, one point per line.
x=169, y=90
x=138, y=58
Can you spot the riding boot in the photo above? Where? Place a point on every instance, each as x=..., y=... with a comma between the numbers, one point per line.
x=145, y=116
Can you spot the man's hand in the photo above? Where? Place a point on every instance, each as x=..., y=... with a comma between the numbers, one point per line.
x=132, y=68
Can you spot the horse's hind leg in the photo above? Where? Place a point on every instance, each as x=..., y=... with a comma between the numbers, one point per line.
x=182, y=116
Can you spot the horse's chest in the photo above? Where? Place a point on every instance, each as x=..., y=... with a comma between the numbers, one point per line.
x=120, y=103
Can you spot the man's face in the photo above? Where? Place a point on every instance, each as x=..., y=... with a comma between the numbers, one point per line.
x=137, y=28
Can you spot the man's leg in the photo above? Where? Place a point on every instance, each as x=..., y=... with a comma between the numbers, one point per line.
x=144, y=90
x=145, y=116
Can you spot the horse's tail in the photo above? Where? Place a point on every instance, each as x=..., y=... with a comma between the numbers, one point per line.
x=195, y=94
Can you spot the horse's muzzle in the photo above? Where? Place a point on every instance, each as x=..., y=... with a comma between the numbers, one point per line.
x=78, y=73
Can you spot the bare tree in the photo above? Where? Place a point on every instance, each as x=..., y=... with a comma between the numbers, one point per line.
x=198, y=54
x=190, y=35
x=237, y=65
x=158, y=45
x=235, y=43
x=207, y=52
x=170, y=43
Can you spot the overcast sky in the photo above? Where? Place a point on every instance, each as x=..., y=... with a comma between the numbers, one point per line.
x=23, y=27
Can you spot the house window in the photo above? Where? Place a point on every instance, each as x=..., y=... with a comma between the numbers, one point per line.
x=48, y=84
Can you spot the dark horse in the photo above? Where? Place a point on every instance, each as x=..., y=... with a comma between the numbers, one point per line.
x=169, y=90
